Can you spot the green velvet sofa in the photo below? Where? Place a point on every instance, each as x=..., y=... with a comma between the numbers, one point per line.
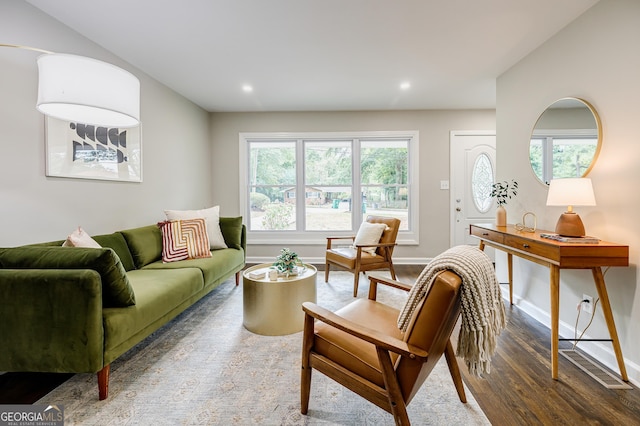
x=75, y=310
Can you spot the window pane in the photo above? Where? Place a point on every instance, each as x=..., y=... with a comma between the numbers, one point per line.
x=572, y=157
x=272, y=208
x=272, y=163
x=384, y=162
x=536, y=157
x=328, y=208
x=387, y=200
x=327, y=162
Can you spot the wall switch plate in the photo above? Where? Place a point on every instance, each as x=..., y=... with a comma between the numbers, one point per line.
x=444, y=184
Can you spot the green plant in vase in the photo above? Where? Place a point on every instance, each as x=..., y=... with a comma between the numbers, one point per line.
x=287, y=261
x=503, y=191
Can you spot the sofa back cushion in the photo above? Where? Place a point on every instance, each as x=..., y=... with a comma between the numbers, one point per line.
x=231, y=228
x=117, y=242
x=145, y=244
x=116, y=289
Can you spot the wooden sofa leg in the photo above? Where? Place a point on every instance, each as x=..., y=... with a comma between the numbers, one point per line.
x=103, y=382
x=237, y=278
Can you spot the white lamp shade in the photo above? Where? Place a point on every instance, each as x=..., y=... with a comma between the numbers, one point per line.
x=85, y=90
x=571, y=192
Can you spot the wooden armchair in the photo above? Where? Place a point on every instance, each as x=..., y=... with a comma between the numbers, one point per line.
x=361, y=347
x=357, y=259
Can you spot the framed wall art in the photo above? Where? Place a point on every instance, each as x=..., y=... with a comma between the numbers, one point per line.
x=83, y=151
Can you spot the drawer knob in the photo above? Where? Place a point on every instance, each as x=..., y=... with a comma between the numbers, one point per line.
x=525, y=245
x=485, y=234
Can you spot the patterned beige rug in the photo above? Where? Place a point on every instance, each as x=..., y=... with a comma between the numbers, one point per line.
x=205, y=368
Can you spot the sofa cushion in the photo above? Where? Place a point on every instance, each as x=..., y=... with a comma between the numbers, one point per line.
x=184, y=239
x=80, y=238
x=211, y=217
x=117, y=242
x=158, y=294
x=221, y=264
x=231, y=228
x=116, y=289
x=145, y=244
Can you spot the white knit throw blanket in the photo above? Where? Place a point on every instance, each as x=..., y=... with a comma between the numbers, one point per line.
x=483, y=316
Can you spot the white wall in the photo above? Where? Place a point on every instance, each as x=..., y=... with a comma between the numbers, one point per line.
x=33, y=207
x=596, y=58
x=434, y=128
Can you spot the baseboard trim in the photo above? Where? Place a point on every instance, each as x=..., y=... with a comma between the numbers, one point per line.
x=599, y=351
x=320, y=260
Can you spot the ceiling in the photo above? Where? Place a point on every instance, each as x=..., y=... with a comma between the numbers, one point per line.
x=319, y=55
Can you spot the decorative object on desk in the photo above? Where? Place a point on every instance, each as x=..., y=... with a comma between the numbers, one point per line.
x=287, y=261
x=527, y=225
x=503, y=191
x=570, y=192
x=574, y=240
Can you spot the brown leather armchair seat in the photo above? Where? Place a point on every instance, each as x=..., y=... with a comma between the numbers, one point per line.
x=361, y=347
x=356, y=259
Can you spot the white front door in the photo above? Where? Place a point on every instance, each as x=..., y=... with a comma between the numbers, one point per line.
x=473, y=171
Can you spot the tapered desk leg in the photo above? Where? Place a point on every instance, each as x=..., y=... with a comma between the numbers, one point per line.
x=510, y=267
x=554, y=283
x=608, y=316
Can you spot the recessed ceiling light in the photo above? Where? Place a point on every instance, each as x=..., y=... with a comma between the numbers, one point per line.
x=247, y=88
x=405, y=85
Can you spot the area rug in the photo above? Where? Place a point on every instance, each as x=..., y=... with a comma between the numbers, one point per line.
x=205, y=368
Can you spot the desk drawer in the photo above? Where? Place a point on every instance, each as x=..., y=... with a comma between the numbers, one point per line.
x=487, y=234
x=537, y=248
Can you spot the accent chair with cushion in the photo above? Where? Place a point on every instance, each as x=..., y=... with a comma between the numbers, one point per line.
x=362, y=347
x=370, y=249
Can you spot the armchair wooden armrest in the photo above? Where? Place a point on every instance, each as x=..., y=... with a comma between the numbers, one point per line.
x=381, y=341
x=348, y=237
x=375, y=279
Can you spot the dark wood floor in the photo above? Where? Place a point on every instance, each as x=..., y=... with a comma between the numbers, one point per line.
x=519, y=390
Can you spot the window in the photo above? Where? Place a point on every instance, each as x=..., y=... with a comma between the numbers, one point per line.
x=563, y=154
x=300, y=187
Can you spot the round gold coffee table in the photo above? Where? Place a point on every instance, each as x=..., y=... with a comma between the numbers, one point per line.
x=274, y=308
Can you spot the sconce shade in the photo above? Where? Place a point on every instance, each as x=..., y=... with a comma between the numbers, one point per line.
x=77, y=88
x=570, y=192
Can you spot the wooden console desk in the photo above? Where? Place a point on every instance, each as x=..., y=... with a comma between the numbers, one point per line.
x=557, y=255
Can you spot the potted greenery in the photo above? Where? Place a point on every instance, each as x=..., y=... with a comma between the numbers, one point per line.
x=503, y=191
x=287, y=261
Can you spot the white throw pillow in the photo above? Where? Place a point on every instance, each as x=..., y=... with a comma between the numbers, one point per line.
x=369, y=233
x=79, y=238
x=211, y=217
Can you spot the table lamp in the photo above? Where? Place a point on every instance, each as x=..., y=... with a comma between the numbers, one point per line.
x=570, y=192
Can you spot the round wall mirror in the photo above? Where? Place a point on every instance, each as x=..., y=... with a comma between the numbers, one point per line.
x=565, y=140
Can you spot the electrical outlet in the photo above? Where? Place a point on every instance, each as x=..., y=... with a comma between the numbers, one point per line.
x=587, y=307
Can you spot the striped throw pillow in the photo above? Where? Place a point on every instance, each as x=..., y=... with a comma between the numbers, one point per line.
x=184, y=239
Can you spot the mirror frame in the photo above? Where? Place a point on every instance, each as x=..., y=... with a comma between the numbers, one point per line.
x=596, y=117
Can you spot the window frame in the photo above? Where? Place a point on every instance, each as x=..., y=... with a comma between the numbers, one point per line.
x=302, y=237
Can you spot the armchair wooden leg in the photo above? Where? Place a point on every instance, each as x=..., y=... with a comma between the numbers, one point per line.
x=392, y=271
x=326, y=272
x=103, y=382
x=396, y=401
x=454, y=369
x=237, y=278
x=305, y=375
x=356, y=281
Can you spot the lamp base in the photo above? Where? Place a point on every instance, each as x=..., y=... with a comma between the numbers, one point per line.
x=570, y=225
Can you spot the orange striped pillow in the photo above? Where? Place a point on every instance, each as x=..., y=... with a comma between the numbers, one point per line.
x=184, y=239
